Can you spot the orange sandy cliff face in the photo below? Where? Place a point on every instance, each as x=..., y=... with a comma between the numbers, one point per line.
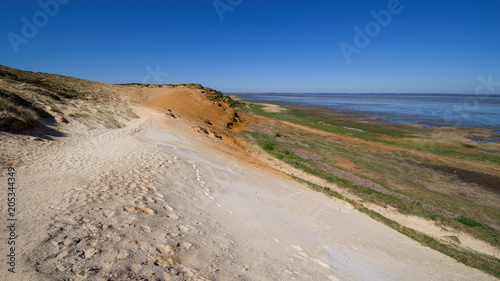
x=210, y=112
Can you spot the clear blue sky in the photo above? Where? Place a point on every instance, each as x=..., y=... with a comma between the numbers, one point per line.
x=260, y=45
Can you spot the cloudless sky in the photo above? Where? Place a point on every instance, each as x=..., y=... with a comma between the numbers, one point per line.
x=260, y=45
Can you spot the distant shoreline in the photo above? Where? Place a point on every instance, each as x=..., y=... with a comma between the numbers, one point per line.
x=446, y=110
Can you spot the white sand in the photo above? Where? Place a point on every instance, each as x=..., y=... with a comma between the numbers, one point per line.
x=148, y=200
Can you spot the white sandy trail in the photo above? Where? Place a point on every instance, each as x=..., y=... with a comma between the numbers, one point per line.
x=147, y=201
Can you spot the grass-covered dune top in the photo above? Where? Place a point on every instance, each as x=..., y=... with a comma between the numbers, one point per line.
x=27, y=96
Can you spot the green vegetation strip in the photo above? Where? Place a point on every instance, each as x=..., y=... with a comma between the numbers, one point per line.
x=393, y=134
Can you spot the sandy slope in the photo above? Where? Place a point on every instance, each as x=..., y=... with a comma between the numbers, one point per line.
x=148, y=201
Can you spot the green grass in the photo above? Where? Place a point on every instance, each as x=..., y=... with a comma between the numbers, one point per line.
x=469, y=146
x=469, y=222
x=392, y=134
x=330, y=124
x=488, y=159
x=268, y=145
x=232, y=102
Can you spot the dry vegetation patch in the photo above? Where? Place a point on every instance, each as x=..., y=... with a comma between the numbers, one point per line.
x=32, y=99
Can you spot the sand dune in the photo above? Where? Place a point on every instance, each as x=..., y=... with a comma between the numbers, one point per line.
x=158, y=200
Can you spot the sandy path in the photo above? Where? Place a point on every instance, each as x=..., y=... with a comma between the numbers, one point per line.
x=148, y=201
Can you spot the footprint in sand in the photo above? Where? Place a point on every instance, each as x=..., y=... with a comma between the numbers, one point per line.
x=182, y=228
x=132, y=209
x=165, y=249
x=135, y=245
x=109, y=214
x=143, y=227
x=89, y=252
x=148, y=200
x=173, y=216
x=185, y=245
x=119, y=254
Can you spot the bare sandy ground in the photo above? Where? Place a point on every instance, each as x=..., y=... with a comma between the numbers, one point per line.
x=271, y=107
x=148, y=201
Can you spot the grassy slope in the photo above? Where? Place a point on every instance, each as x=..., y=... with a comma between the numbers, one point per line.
x=26, y=96
x=398, y=135
x=401, y=181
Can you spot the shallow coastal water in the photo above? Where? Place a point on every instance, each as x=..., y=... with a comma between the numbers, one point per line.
x=458, y=110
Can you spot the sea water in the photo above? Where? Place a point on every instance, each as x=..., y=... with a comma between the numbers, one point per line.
x=457, y=110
